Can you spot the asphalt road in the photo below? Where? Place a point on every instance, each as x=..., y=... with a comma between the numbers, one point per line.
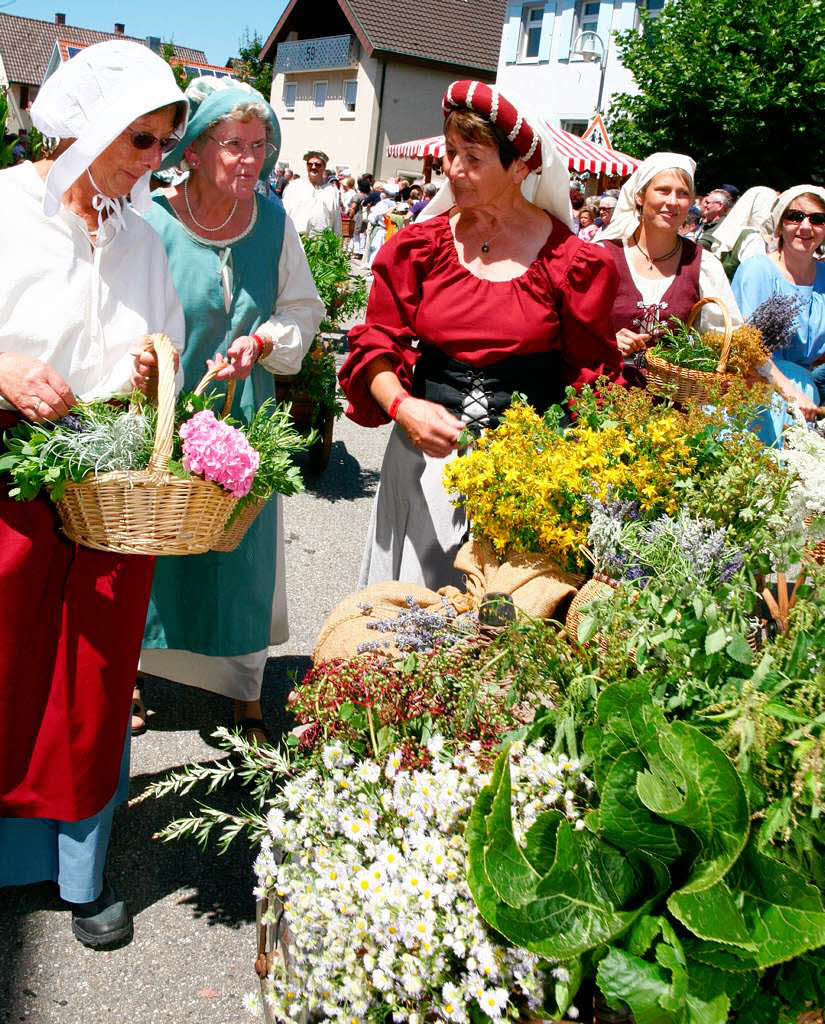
x=194, y=947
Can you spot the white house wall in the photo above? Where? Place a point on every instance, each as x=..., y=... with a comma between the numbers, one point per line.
x=411, y=110
x=347, y=138
x=564, y=87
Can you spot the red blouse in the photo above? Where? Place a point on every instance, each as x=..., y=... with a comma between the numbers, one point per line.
x=562, y=302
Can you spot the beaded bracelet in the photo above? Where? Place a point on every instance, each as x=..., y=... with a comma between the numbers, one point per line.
x=264, y=347
x=399, y=398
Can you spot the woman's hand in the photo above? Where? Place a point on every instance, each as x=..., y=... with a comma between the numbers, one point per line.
x=237, y=364
x=34, y=388
x=429, y=426
x=807, y=407
x=145, y=373
x=630, y=342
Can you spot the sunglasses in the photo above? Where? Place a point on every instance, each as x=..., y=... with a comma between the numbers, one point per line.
x=816, y=220
x=145, y=140
x=315, y=167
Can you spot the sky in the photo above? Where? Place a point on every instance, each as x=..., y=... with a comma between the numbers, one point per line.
x=215, y=26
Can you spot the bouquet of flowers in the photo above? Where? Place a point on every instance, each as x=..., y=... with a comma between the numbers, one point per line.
x=377, y=906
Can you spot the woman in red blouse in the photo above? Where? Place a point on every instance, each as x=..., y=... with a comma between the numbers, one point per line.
x=487, y=294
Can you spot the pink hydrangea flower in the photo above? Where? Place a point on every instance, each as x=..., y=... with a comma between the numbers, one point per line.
x=214, y=450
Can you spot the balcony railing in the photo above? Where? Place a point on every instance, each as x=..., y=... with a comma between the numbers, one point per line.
x=328, y=53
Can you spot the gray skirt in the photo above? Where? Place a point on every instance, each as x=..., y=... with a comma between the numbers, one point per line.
x=415, y=531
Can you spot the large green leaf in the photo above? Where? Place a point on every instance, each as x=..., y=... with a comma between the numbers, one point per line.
x=510, y=873
x=624, y=820
x=693, y=784
x=784, y=912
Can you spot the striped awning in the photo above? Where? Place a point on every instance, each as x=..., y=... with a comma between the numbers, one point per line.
x=580, y=155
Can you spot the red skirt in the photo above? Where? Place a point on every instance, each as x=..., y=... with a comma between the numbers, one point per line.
x=71, y=626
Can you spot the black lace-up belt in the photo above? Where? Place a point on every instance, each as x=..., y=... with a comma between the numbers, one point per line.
x=479, y=394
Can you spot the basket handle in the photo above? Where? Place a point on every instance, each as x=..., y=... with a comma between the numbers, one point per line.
x=691, y=320
x=207, y=379
x=162, y=448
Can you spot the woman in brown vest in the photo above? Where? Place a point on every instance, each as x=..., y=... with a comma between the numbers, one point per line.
x=661, y=274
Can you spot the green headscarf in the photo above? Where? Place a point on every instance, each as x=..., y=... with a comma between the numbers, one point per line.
x=209, y=100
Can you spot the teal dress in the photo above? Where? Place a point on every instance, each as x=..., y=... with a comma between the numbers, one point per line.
x=220, y=603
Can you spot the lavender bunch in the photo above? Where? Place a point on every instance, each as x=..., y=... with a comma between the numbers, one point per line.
x=607, y=521
x=683, y=550
x=775, y=319
x=415, y=629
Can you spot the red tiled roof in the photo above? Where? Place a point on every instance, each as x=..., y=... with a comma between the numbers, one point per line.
x=464, y=33
x=26, y=45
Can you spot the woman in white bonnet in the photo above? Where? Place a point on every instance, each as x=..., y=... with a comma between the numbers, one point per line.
x=85, y=280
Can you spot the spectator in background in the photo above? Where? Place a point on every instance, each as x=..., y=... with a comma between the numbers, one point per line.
x=714, y=209
x=282, y=181
x=368, y=198
x=313, y=204
x=607, y=204
x=21, y=147
x=429, y=191
x=690, y=229
x=587, y=224
x=577, y=202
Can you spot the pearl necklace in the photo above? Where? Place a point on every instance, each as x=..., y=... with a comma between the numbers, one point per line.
x=195, y=220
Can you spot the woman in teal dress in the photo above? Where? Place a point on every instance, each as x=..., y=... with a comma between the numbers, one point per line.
x=249, y=302
x=797, y=222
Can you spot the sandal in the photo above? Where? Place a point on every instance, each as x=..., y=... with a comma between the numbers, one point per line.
x=254, y=731
x=138, y=712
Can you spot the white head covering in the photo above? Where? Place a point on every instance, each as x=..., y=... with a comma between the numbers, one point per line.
x=548, y=188
x=751, y=210
x=774, y=221
x=626, y=214
x=92, y=98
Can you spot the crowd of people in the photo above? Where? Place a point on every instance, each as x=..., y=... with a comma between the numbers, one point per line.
x=500, y=281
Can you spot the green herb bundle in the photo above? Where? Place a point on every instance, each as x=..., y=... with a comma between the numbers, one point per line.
x=683, y=346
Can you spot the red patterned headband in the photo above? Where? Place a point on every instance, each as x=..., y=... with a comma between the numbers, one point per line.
x=486, y=101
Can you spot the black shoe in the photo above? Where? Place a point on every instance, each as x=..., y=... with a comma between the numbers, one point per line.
x=105, y=921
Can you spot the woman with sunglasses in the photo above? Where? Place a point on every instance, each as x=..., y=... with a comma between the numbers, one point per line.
x=85, y=279
x=251, y=304
x=797, y=221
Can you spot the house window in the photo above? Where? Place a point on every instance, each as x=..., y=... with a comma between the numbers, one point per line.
x=319, y=98
x=587, y=17
x=530, y=31
x=653, y=7
x=350, y=94
x=290, y=95
x=24, y=97
x=574, y=127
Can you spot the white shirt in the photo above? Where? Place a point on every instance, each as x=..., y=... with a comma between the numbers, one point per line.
x=298, y=310
x=312, y=209
x=77, y=307
x=713, y=281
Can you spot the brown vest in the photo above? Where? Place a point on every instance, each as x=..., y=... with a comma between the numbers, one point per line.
x=630, y=312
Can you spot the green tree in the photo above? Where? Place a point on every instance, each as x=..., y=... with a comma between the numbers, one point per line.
x=167, y=51
x=6, y=148
x=738, y=85
x=250, y=68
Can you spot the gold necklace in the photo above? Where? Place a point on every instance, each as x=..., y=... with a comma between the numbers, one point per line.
x=658, y=259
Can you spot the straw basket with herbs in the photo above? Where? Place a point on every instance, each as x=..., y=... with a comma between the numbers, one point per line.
x=164, y=480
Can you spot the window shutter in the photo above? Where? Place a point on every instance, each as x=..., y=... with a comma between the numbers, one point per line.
x=627, y=16
x=547, y=23
x=568, y=10
x=605, y=22
x=512, y=27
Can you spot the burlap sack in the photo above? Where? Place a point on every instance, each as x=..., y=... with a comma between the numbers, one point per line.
x=537, y=586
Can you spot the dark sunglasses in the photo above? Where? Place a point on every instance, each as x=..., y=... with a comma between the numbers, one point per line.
x=145, y=140
x=797, y=216
x=315, y=167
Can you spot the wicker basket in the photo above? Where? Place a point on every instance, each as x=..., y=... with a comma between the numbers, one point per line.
x=235, y=531
x=680, y=384
x=816, y=551
x=148, y=511
x=597, y=589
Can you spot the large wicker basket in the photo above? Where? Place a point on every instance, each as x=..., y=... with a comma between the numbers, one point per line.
x=148, y=511
x=680, y=384
x=597, y=589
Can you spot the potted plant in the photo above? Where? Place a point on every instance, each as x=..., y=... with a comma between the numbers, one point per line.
x=314, y=391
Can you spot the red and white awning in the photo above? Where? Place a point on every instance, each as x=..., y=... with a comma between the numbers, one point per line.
x=580, y=154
